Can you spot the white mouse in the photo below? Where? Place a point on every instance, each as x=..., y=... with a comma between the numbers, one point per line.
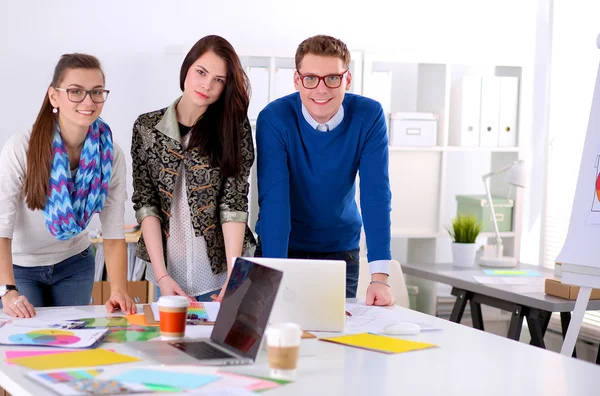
x=403, y=328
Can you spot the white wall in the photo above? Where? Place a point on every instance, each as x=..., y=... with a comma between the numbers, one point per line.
x=141, y=42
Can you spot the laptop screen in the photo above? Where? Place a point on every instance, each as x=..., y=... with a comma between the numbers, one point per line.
x=246, y=307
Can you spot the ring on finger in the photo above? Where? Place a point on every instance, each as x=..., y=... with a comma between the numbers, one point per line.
x=18, y=300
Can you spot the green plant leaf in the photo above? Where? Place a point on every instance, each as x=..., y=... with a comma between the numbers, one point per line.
x=464, y=229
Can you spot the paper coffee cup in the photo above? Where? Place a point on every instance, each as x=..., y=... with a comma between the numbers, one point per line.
x=173, y=315
x=283, y=345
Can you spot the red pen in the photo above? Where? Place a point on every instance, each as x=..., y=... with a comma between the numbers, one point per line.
x=348, y=313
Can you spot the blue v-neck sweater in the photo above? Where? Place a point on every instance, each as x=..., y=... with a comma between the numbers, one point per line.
x=306, y=180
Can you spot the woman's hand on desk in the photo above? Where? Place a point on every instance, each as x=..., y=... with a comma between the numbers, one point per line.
x=219, y=298
x=169, y=287
x=122, y=301
x=17, y=306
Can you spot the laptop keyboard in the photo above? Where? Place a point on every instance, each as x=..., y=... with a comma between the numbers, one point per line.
x=203, y=350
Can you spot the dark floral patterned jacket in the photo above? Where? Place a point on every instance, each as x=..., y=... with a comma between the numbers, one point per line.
x=157, y=154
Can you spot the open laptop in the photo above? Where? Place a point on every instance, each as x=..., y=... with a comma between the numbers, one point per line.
x=239, y=327
x=312, y=293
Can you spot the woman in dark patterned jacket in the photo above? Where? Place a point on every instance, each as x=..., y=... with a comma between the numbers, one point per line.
x=191, y=163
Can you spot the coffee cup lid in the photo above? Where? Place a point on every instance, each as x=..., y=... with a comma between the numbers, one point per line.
x=284, y=334
x=173, y=301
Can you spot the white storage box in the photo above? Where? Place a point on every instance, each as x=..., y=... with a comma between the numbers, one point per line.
x=413, y=129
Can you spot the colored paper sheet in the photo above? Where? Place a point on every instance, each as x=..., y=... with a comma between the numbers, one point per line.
x=132, y=333
x=165, y=378
x=87, y=358
x=204, y=310
x=81, y=382
x=138, y=320
x=70, y=375
x=379, y=343
x=234, y=380
x=11, y=334
x=20, y=354
x=493, y=272
x=117, y=321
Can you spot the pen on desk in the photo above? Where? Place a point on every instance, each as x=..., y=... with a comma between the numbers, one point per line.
x=348, y=313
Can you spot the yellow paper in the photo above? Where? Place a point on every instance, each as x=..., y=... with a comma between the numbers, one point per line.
x=379, y=343
x=89, y=357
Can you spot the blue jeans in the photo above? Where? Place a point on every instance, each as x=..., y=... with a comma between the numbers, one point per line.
x=351, y=257
x=202, y=297
x=69, y=282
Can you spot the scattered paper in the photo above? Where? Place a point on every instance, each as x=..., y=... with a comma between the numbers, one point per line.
x=52, y=314
x=11, y=334
x=165, y=378
x=210, y=309
x=139, y=320
x=20, y=354
x=509, y=272
x=222, y=392
x=132, y=334
x=86, y=358
x=509, y=280
x=239, y=381
x=372, y=319
x=83, y=381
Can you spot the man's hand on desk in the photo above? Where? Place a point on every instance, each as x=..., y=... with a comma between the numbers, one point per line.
x=17, y=306
x=379, y=291
x=122, y=301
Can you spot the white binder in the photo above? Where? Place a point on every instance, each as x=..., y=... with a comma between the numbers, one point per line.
x=490, y=107
x=509, y=105
x=465, y=104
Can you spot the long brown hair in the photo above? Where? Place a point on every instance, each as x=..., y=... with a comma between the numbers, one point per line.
x=225, y=116
x=39, y=155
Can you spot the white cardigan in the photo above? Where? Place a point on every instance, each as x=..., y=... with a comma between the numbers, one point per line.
x=32, y=244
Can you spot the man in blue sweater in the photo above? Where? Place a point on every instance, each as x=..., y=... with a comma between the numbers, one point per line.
x=311, y=145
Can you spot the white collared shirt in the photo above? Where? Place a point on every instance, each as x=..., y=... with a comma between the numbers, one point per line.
x=329, y=125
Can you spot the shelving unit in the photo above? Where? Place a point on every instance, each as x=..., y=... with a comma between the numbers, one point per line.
x=424, y=197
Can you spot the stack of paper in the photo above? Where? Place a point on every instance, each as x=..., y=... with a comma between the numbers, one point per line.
x=168, y=379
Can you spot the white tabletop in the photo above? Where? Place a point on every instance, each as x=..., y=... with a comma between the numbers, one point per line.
x=467, y=362
x=462, y=278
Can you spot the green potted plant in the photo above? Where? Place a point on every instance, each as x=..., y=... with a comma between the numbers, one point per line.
x=464, y=231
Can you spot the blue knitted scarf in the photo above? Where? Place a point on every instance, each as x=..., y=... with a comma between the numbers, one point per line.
x=72, y=202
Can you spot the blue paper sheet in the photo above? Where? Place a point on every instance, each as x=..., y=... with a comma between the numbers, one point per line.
x=166, y=378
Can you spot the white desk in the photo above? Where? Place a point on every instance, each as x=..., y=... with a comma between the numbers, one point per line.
x=468, y=362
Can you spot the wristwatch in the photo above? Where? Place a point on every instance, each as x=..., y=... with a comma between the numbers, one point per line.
x=6, y=288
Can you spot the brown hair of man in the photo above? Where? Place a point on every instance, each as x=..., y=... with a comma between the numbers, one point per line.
x=323, y=46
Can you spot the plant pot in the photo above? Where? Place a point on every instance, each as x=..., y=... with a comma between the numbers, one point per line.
x=463, y=254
